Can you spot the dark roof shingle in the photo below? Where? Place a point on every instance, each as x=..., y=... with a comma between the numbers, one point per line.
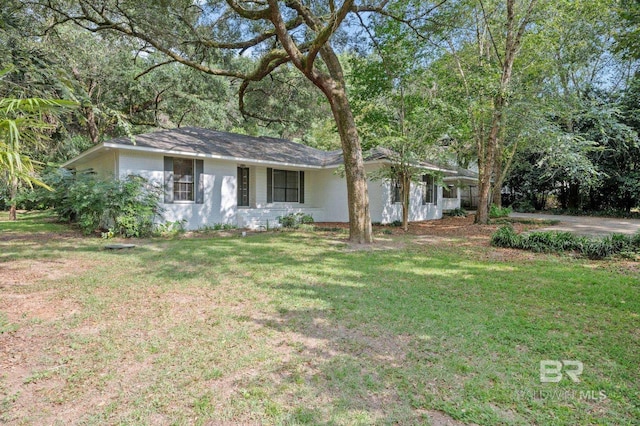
x=212, y=142
x=194, y=140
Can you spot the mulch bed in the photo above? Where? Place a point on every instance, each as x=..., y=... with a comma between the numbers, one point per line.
x=448, y=226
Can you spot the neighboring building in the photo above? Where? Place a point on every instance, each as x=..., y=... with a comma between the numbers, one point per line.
x=214, y=177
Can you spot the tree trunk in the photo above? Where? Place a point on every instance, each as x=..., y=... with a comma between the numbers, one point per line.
x=489, y=150
x=482, y=215
x=92, y=126
x=573, y=201
x=484, y=188
x=406, y=191
x=497, y=183
x=357, y=193
x=13, y=193
x=334, y=89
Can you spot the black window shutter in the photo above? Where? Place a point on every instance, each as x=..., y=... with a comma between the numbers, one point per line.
x=269, y=185
x=168, y=180
x=301, y=196
x=199, y=172
x=239, y=186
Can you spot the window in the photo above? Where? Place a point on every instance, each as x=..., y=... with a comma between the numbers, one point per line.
x=429, y=190
x=396, y=191
x=243, y=186
x=449, y=191
x=182, y=179
x=285, y=186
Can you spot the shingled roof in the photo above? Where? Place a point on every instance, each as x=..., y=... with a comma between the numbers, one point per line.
x=194, y=140
x=198, y=141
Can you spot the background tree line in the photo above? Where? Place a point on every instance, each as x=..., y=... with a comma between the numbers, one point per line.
x=540, y=96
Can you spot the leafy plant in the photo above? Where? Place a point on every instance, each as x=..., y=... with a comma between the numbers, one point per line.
x=506, y=237
x=559, y=242
x=495, y=211
x=170, y=228
x=294, y=220
x=127, y=207
x=458, y=212
x=24, y=123
x=218, y=227
x=523, y=206
x=108, y=235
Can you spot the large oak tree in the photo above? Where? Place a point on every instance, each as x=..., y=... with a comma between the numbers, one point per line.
x=209, y=35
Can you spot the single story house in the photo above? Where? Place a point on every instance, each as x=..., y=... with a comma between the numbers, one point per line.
x=212, y=177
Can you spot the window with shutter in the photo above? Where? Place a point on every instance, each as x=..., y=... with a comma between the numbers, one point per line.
x=286, y=186
x=183, y=180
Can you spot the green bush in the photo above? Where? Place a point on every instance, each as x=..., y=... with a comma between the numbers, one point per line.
x=126, y=207
x=495, y=211
x=457, y=212
x=598, y=249
x=506, y=237
x=559, y=242
x=523, y=206
x=218, y=227
x=550, y=241
x=170, y=228
x=294, y=220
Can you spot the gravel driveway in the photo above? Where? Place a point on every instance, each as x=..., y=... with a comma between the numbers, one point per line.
x=586, y=225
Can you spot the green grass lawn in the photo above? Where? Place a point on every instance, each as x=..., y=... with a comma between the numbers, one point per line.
x=299, y=328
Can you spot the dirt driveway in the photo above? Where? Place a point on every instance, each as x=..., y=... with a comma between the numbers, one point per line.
x=586, y=225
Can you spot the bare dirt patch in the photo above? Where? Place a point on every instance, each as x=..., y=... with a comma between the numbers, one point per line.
x=448, y=231
x=21, y=302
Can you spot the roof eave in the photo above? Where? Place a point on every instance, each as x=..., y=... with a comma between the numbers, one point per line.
x=460, y=178
x=204, y=155
x=85, y=154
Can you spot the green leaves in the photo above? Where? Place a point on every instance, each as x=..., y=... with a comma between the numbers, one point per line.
x=127, y=207
x=25, y=123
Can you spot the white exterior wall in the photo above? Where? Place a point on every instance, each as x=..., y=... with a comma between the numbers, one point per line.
x=104, y=165
x=452, y=203
x=261, y=214
x=325, y=193
x=417, y=211
x=333, y=192
x=219, y=182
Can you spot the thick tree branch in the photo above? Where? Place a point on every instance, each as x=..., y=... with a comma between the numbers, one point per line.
x=291, y=25
x=254, y=15
x=148, y=70
x=297, y=57
x=102, y=23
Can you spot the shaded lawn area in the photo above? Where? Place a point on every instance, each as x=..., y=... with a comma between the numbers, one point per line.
x=293, y=328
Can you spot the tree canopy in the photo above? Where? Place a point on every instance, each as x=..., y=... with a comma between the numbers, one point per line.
x=504, y=86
